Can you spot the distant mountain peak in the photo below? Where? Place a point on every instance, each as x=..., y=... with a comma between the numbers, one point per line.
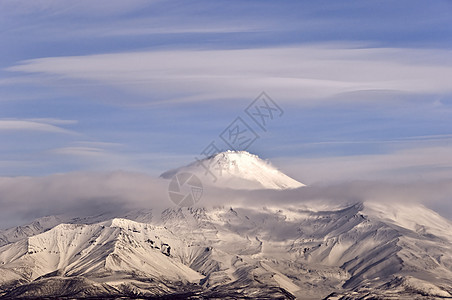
x=237, y=170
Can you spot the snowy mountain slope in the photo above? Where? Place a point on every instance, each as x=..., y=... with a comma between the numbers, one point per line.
x=117, y=247
x=43, y=224
x=332, y=250
x=20, y=232
x=238, y=170
x=280, y=251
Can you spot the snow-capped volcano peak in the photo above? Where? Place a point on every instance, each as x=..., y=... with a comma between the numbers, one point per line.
x=237, y=169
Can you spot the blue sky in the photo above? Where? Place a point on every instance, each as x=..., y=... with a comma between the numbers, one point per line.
x=146, y=85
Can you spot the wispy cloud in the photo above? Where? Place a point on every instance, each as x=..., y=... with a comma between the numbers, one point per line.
x=53, y=121
x=403, y=165
x=80, y=151
x=85, y=193
x=295, y=74
x=99, y=144
x=36, y=125
x=78, y=193
x=144, y=29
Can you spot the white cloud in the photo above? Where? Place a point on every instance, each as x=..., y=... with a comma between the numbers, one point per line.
x=34, y=125
x=145, y=29
x=54, y=121
x=99, y=144
x=81, y=194
x=296, y=74
x=24, y=198
x=80, y=151
x=404, y=165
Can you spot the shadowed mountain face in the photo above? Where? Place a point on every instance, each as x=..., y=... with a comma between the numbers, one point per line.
x=279, y=252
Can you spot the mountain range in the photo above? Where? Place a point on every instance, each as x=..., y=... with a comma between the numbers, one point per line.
x=350, y=250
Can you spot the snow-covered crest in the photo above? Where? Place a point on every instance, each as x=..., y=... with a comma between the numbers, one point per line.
x=237, y=170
